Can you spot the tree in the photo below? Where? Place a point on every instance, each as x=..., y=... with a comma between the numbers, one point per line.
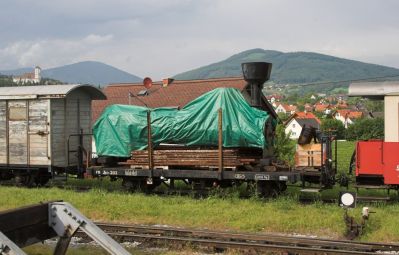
x=284, y=146
x=283, y=116
x=366, y=129
x=333, y=125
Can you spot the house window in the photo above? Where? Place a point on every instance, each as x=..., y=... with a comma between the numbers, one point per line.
x=293, y=125
x=293, y=133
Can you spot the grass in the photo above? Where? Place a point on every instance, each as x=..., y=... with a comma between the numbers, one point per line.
x=228, y=212
x=344, y=154
x=283, y=215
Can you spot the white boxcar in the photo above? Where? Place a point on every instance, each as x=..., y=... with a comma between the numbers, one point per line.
x=36, y=123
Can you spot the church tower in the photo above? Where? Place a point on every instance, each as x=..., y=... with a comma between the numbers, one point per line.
x=37, y=74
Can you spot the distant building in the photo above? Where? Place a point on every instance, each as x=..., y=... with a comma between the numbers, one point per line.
x=324, y=108
x=341, y=105
x=33, y=77
x=274, y=98
x=285, y=108
x=308, y=107
x=297, y=121
x=347, y=117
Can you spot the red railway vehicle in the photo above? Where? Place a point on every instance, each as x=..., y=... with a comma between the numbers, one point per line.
x=376, y=162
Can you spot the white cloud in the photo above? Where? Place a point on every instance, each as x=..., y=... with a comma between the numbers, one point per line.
x=50, y=52
x=97, y=39
x=161, y=38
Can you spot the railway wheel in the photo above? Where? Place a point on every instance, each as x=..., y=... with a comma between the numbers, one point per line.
x=267, y=189
x=141, y=185
x=26, y=180
x=41, y=180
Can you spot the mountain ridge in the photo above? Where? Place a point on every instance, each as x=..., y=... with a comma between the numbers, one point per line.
x=293, y=67
x=85, y=72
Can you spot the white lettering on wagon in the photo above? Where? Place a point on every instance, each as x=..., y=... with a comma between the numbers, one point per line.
x=264, y=177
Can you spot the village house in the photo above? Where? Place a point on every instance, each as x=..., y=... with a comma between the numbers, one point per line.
x=275, y=105
x=286, y=109
x=323, y=108
x=308, y=107
x=274, y=98
x=341, y=105
x=294, y=125
x=32, y=77
x=347, y=117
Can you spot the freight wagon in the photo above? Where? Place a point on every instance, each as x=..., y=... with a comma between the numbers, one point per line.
x=219, y=139
x=376, y=162
x=45, y=130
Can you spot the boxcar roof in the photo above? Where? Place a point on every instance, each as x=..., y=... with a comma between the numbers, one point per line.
x=376, y=90
x=49, y=91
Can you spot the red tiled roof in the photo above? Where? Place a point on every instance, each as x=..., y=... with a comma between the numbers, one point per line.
x=303, y=115
x=355, y=115
x=176, y=94
x=289, y=108
x=321, y=107
x=341, y=105
x=350, y=114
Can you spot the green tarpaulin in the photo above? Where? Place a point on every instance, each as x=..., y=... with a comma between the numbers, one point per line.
x=123, y=128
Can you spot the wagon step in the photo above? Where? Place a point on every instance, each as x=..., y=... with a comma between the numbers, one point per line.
x=373, y=199
x=358, y=186
x=57, y=179
x=310, y=190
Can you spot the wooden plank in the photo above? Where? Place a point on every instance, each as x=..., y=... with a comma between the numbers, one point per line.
x=196, y=157
x=17, y=133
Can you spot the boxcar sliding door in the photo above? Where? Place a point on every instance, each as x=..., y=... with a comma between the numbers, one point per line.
x=3, y=132
x=38, y=132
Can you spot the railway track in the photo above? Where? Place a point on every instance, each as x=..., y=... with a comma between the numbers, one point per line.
x=246, y=243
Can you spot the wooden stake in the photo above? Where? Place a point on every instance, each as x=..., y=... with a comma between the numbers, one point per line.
x=220, y=136
x=149, y=139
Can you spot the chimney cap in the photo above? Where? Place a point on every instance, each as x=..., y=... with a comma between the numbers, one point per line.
x=167, y=81
x=256, y=72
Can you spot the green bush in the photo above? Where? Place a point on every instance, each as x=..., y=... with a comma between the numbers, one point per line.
x=366, y=129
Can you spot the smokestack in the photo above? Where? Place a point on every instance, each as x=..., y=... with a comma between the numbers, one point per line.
x=256, y=73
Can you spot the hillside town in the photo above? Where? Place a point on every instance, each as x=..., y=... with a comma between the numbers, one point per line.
x=315, y=108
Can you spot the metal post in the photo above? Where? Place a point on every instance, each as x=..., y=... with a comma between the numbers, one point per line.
x=336, y=155
x=80, y=154
x=220, y=142
x=62, y=245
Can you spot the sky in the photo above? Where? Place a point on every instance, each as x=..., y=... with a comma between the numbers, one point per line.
x=161, y=38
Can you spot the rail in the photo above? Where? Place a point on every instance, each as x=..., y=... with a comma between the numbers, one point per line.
x=243, y=241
